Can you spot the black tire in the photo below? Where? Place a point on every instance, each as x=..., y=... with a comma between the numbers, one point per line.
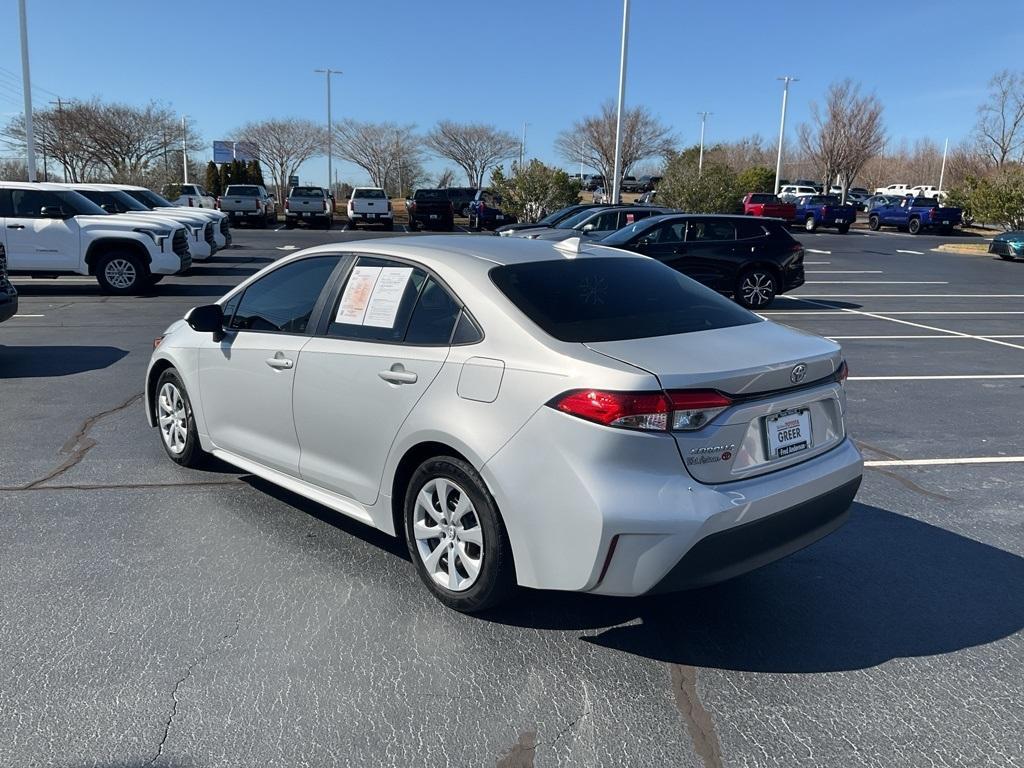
x=389, y=227
x=756, y=288
x=154, y=279
x=496, y=579
x=353, y=225
x=122, y=274
x=874, y=223
x=289, y=224
x=328, y=223
x=191, y=453
x=914, y=226
x=1006, y=257
x=263, y=222
x=412, y=226
x=810, y=224
x=946, y=230
x=842, y=229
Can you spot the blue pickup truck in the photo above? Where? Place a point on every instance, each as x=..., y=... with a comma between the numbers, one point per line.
x=915, y=214
x=815, y=211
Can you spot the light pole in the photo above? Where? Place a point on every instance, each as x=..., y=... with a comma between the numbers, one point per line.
x=330, y=159
x=782, y=128
x=617, y=166
x=700, y=157
x=942, y=173
x=522, y=146
x=184, y=150
x=26, y=78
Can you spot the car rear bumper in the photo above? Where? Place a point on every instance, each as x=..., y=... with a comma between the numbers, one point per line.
x=372, y=218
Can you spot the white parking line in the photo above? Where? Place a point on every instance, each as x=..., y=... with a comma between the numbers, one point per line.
x=877, y=282
x=916, y=253
x=943, y=462
x=813, y=250
x=927, y=336
x=914, y=312
x=30, y=315
x=816, y=263
x=905, y=296
x=941, y=377
x=843, y=271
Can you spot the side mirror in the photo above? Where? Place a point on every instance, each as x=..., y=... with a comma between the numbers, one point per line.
x=208, y=318
x=644, y=242
x=109, y=208
x=588, y=227
x=53, y=212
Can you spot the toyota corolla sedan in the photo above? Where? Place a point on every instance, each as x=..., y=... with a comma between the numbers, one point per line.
x=552, y=415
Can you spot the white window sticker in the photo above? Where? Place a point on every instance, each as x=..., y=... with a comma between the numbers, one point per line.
x=387, y=296
x=357, y=295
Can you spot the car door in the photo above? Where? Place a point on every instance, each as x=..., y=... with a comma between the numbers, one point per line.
x=710, y=251
x=246, y=379
x=384, y=340
x=47, y=243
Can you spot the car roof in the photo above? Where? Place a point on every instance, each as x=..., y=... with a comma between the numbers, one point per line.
x=51, y=186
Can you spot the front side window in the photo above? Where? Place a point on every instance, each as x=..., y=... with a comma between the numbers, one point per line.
x=282, y=301
x=29, y=203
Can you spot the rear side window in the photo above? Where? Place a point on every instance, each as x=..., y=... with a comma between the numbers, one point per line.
x=706, y=230
x=282, y=301
x=377, y=301
x=747, y=229
x=608, y=299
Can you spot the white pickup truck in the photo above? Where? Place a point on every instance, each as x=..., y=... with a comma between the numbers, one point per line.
x=49, y=231
x=153, y=201
x=897, y=190
x=370, y=205
x=249, y=202
x=190, y=196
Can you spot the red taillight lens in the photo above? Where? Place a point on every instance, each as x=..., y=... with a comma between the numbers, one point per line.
x=286, y=207
x=685, y=410
x=190, y=203
x=216, y=203
x=824, y=209
x=389, y=205
x=843, y=373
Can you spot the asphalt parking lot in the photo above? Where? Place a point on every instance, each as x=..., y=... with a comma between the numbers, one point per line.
x=151, y=615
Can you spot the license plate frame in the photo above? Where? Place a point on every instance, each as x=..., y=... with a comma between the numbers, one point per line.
x=789, y=445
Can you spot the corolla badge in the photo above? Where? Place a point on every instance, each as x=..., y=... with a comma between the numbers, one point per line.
x=798, y=373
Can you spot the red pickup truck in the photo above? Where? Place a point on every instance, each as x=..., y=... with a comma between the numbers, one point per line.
x=767, y=204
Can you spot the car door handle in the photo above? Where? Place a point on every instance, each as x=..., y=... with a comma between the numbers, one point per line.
x=15, y=226
x=398, y=375
x=280, y=363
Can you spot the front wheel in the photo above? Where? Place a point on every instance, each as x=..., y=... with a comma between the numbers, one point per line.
x=810, y=224
x=122, y=273
x=874, y=223
x=914, y=226
x=756, y=288
x=456, y=537
x=176, y=421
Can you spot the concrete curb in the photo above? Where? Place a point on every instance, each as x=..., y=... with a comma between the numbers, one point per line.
x=972, y=249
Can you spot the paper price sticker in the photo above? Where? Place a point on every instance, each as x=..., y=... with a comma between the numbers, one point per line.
x=373, y=295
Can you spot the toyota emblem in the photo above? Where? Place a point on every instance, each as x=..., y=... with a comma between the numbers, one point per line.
x=798, y=373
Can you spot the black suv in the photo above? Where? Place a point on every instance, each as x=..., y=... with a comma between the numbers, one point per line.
x=8, y=296
x=461, y=197
x=753, y=260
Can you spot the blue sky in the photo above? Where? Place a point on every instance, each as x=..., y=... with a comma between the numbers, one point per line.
x=547, y=63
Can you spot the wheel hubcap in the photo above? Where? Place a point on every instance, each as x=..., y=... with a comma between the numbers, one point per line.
x=757, y=289
x=172, y=416
x=120, y=273
x=449, y=537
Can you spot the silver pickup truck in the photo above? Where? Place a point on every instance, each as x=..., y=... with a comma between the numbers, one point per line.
x=248, y=202
x=309, y=204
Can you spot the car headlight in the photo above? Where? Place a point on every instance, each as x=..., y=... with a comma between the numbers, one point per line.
x=156, y=235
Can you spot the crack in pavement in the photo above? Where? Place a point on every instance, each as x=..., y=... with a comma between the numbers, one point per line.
x=906, y=482
x=698, y=720
x=77, y=446
x=180, y=681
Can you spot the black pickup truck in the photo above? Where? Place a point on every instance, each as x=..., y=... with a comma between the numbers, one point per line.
x=431, y=209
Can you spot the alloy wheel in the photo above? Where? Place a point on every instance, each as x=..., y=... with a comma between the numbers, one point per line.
x=757, y=289
x=172, y=415
x=120, y=273
x=449, y=537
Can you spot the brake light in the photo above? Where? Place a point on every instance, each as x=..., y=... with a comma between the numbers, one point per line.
x=843, y=373
x=190, y=203
x=389, y=205
x=933, y=213
x=685, y=410
x=286, y=205
x=216, y=203
x=824, y=209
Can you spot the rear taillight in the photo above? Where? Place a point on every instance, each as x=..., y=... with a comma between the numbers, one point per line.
x=933, y=213
x=216, y=203
x=685, y=410
x=191, y=204
x=287, y=207
x=389, y=205
x=843, y=373
x=824, y=210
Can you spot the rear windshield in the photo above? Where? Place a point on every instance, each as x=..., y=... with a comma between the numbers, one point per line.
x=242, y=192
x=430, y=194
x=925, y=202
x=608, y=299
x=307, y=192
x=368, y=194
x=763, y=199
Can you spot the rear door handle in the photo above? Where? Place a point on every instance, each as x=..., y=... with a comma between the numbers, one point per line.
x=15, y=226
x=398, y=375
x=280, y=363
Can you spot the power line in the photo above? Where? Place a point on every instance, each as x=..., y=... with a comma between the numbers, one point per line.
x=17, y=78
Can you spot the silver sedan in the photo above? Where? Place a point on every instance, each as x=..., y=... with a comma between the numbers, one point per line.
x=552, y=415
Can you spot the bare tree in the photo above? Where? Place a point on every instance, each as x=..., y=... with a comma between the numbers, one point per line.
x=592, y=140
x=1000, y=127
x=474, y=147
x=446, y=179
x=841, y=138
x=283, y=145
x=385, y=151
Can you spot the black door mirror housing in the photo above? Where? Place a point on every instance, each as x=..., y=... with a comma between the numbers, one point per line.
x=208, y=318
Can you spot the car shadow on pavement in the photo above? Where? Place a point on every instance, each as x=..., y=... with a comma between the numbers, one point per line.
x=795, y=303
x=77, y=290
x=34, y=362
x=884, y=586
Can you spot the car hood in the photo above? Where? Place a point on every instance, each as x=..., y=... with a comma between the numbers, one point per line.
x=169, y=214
x=125, y=221
x=556, y=235
x=207, y=214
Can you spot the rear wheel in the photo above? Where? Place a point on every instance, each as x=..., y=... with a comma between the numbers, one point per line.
x=874, y=223
x=843, y=229
x=456, y=537
x=122, y=273
x=756, y=288
x=810, y=224
x=173, y=414
x=914, y=226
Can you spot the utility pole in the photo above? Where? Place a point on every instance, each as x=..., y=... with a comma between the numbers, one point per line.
x=700, y=157
x=60, y=136
x=942, y=173
x=522, y=146
x=184, y=149
x=617, y=166
x=782, y=128
x=26, y=80
x=330, y=154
